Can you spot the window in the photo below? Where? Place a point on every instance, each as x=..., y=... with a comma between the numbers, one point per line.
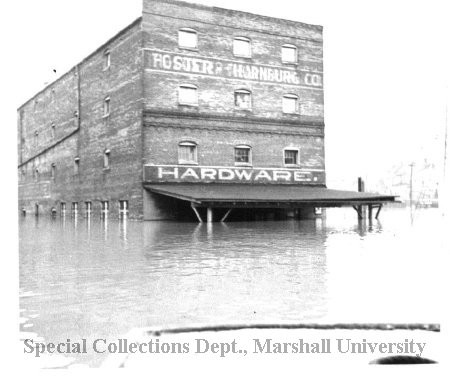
x=289, y=53
x=77, y=165
x=74, y=208
x=243, y=99
x=291, y=157
x=242, y=47
x=36, y=175
x=53, y=171
x=36, y=138
x=63, y=208
x=123, y=208
x=187, y=95
x=187, y=153
x=53, y=130
x=242, y=155
x=290, y=104
x=106, y=159
x=106, y=106
x=106, y=59
x=187, y=38
x=88, y=207
x=105, y=207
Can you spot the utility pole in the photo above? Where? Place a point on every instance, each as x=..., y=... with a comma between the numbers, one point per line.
x=445, y=137
x=411, y=165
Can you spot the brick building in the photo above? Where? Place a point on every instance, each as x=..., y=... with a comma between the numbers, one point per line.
x=188, y=110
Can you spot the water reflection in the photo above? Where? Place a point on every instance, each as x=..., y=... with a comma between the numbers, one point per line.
x=89, y=277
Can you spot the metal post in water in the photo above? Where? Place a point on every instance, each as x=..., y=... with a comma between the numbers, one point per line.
x=361, y=208
x=209, y=215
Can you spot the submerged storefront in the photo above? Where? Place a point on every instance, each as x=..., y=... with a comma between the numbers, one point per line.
x=214, y=192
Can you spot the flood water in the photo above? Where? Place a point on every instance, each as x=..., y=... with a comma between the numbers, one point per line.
x=83, y=278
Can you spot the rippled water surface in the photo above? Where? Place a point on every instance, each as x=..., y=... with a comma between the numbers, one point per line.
x=94, y=279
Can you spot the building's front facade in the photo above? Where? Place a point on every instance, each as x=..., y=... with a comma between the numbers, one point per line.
x=188, y=107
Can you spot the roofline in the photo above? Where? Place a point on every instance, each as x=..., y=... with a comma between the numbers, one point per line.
x=219, y=9
x=101, y=47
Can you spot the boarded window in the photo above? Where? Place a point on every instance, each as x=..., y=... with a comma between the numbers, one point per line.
x=290, y=104
x=242, y=47
x=289, y=53
x=243, y=99
x=187, y=152
x=187, y=38
x=187, y=95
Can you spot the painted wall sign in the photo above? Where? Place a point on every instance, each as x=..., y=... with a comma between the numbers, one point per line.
x=164, y=61
x=202, y=174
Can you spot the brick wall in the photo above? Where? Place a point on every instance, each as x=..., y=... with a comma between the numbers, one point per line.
x=215, y=124
x=216, y=142
x=75, y=104
x=69, y=120
x=216, y=29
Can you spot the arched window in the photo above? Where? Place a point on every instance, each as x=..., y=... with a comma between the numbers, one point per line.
x=106, y=59
x=187, y=153
x=289, y=53
x=243, y=99
x=106, y=106
x=187, y=38
x=242, y=47
x=290, y=104
x=106, y=159
x=76, y=165
x=243, y=155
x=88, y=207
x=187, y=95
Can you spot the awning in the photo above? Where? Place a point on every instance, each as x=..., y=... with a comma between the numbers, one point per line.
x=269, y=195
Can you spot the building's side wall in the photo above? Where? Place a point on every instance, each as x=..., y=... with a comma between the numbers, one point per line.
x=215, y=124
x=74, y=103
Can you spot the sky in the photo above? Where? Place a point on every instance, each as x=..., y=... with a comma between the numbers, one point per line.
x=386, y=80
x=386, y=67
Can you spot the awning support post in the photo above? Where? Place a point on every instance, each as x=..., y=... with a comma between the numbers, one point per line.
x=370, y=212
x=226, y=215
x=209, y=215
x=359, y=211
x=196, y=213
x=378, y=212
